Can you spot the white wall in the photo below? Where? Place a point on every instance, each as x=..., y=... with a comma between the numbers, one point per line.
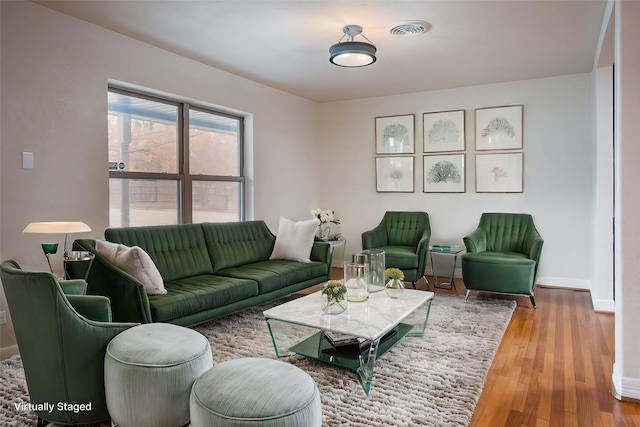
x=626, y=371
x=54, y=78
x=558, y=168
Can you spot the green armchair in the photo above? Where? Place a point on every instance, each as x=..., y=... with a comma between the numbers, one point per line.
x=404, y=237
x=503, y=255
x=62, y=349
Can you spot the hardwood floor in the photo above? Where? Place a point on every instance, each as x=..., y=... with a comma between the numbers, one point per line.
x=553, y=367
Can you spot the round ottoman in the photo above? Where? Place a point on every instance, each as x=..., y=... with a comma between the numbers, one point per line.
x=148, y=373
x=255, y=392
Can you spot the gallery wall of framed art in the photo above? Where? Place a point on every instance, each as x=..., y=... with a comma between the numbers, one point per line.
x=498, y=151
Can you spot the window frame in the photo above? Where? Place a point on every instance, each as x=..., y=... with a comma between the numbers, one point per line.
x=185, y=179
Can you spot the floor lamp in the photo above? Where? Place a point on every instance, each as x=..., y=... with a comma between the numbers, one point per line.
x=55, y=228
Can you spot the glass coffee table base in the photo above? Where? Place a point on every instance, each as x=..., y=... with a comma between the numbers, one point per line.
x=319, y=348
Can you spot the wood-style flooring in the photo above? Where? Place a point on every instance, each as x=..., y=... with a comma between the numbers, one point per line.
x=553, y=367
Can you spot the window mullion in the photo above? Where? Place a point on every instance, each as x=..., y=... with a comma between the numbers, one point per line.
x=187, y=187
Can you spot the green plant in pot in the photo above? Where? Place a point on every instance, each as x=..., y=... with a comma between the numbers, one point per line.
x=334, y=297
x=395, y=285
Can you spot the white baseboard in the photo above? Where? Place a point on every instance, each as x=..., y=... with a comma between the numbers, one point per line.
x=7, y=352
x=625, y=387
x=563, y=282
x=604, y=305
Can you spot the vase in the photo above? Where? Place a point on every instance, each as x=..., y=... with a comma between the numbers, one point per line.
x=323, y=231
x=394, y=288
x=334, y=301
x=355, y=279
x=376, y=269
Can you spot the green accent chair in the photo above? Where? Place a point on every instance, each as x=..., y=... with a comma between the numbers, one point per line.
x=404, y=238
x=503, y=255
x=62, y=341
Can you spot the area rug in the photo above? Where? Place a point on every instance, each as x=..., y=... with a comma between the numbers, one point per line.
x=434, y=380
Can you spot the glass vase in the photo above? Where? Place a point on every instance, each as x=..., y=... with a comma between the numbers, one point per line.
x=333, y=305
x=323, y=231
x=394, y=288
x=376, y=269
x=355, y=279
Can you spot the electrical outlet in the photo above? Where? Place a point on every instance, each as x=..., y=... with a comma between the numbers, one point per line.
x=3, y=317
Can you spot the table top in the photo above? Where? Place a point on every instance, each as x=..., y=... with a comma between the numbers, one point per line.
x=447, y=249
x=369, y=319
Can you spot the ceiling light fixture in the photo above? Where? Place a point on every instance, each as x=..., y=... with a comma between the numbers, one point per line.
x=351, y=53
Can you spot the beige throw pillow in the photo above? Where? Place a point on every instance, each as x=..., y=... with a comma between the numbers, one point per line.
x=134, y=261
x=294, y=240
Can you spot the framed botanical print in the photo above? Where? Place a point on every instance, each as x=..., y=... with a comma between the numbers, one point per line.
x=444, y=173
x=499, y=128
x=499, y=173
x=443, y=131
x=394, y=174
x=395, y=134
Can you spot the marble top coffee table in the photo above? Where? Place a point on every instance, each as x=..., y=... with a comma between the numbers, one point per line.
x=298, y=326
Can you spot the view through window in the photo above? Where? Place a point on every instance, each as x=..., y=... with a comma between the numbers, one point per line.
x=171, y=162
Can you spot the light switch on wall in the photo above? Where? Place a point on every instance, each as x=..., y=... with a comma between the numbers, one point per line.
x=27, y=160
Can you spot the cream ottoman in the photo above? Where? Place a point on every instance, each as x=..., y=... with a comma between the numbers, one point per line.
x=149, y=371
x=255, y=392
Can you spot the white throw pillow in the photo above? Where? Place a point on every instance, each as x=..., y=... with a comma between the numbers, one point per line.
x=134, y=261
x=294, y=240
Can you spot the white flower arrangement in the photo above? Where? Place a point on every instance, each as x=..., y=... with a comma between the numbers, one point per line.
x=325, y=216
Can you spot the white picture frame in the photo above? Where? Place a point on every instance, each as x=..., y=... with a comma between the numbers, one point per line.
x=444, y=173
x=443, y=131
x=395, y=174
x=499, y=128
x=499, y=173
x=395, y=134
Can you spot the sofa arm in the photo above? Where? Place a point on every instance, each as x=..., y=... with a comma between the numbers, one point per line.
x=375, y=237
x=73, y=286
x=533, y=244
x=476, y=241
x=129, y=301
x=93, y=307
x=321, y=252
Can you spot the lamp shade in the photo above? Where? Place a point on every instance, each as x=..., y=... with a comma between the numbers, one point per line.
x=352, y=54
x=56, y=227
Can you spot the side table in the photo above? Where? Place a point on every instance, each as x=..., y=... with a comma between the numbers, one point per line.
x=443, y=264
x=78, y=256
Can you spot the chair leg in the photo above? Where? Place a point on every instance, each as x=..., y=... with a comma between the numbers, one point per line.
x=533, y=301
x=466, y=296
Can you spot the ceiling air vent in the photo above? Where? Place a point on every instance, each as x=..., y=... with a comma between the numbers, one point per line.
x=409, y=28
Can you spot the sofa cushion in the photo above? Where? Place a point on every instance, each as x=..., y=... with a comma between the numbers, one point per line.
x=403, y=257
x=294, y=240
x=134, y=261
x=237, y=243
x=178, y=251
x=199, y=293
x=276, y=274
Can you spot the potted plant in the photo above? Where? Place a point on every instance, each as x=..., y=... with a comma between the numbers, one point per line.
x=395, y=284
x=326, y=217
x=334, y=297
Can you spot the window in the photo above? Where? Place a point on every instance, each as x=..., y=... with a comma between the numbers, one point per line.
x=171, y=162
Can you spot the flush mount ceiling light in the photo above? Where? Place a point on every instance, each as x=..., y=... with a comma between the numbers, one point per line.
x=351, y=53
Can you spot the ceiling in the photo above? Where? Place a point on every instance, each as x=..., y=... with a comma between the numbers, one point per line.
x=285, y=44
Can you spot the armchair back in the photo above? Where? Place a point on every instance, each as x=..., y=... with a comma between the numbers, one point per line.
x=406, y=228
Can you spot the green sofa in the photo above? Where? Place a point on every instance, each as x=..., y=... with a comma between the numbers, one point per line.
x=503, y=255
x=208, y=269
